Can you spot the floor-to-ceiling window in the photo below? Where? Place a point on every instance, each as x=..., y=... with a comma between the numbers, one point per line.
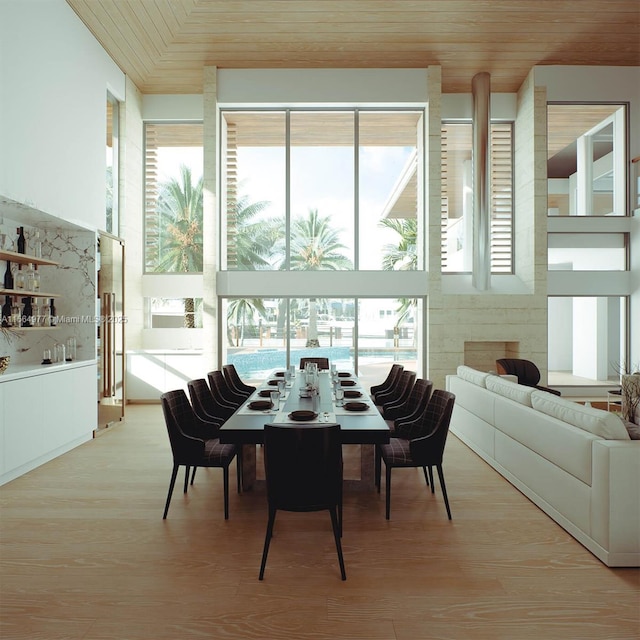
x=328, y=191
x=588, y=242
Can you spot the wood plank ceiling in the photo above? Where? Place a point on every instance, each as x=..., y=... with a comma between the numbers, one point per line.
x=163, y=45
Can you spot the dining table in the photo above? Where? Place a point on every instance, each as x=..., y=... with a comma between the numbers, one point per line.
x=360, y=420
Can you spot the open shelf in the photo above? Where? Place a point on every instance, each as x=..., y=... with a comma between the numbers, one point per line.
x=23, y=258
x=23, y=293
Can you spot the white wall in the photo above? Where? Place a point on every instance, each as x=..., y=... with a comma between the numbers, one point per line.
x=54, y=78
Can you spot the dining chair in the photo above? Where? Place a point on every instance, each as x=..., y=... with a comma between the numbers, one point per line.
x=189, y=451
x=221, y=390
x=234, y=381
x=303, y=471
x=323, y=363
x=411, y=407
x=419, y=444
x=394, y=372
x=205, y=405
x=398, y=392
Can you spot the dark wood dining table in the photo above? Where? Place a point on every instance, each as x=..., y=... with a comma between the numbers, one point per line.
x=365, y=428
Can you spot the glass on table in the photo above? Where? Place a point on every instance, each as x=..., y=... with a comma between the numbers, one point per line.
x=281, y=388
x=339, y=396
x=275, y=400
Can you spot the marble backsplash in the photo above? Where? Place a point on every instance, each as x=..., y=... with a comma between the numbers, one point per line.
x=73, y=279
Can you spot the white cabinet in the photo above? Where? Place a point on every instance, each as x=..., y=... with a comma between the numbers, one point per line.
x=49, y=414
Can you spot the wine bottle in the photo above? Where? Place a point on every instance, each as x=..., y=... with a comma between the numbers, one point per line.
x=36, y=278
x=27, y=312
x=7, y=319
x=54, y=319
x=8, y=277
x=19, y=279
x=37, y=246
x=22, y=242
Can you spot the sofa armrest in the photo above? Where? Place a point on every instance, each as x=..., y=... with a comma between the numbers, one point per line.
x=615, y=507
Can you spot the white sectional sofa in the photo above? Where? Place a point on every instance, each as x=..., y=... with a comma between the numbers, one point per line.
x=576, y=463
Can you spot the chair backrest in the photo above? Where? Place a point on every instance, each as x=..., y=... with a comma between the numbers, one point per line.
x=204, y=404
x=388, y=381
x=180, y=420
x=414, y=405
x=221, y=392
x=427, y=421
x=303, y=466
x=400, y=392
x=323, y=363
x=527, y=372
x=429, y=448
x=234, y=381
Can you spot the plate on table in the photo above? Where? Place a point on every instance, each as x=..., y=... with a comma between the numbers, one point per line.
x=356, y=406
x=352, y=393
x=348, y=383
x=273, y=383
x=260, y=405
x=344, y=374
x=265, y=393
x=303, y=415
x=279, y=374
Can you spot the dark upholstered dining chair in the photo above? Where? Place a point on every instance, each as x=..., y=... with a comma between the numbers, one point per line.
x=526, y=371
x=222, y=392
x=411, y=408
x=303, y=470
x=419, y=444
x=190, y=451
x=234, y=381
x=323, y=363
x=399, y=392
x=394, y=372
x=205, y=406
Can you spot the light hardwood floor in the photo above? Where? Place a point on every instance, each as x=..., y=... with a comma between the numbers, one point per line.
x=85, y=554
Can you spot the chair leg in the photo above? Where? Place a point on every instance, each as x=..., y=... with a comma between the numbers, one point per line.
x=267, y=540
x=186, y=477
x=336, y=535
x=444, y=489
x=225, y=479
x=433, y=487
x=193, y=475
x=378, y=467
x=174, y=473
x=239, y=469
x=426, y=477
x=388, y=489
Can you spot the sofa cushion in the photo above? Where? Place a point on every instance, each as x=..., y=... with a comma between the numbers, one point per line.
x=472, y=375
x=508, y=389
x=633, y=429
x=596, y=421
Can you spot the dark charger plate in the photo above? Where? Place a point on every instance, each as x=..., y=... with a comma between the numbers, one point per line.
x=260, y=405
x=348, y=383
x=356, y=406
x=273, y=383
x=303, y=415
x=344, y=374
x=265, y=393
x=352, y=393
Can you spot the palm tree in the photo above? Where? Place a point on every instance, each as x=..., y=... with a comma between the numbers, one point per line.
x=402, y=257
x=254, y=242
x=316, y=246
x=179, y=211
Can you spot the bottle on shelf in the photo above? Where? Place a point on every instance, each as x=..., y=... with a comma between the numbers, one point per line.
x=27, y=313
x=44, y=313
x=19, y=279
x=37, y=245
x=36, y=278
x=28, y=278
x=7, y=316
x=22, y=241
x=52, y=313
x=8, y=277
